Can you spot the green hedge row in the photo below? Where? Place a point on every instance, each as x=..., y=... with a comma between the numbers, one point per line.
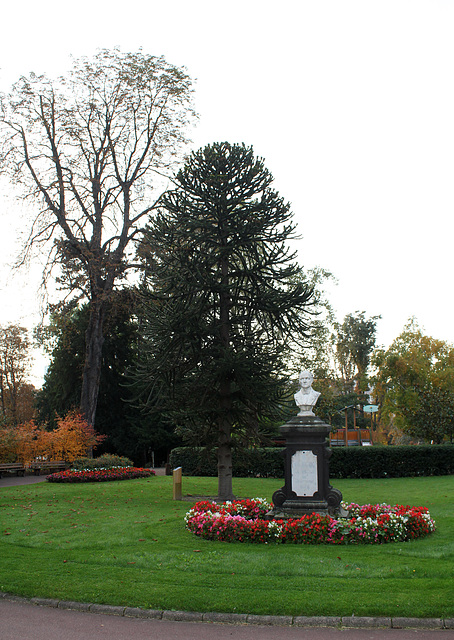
x=106, y=461
x=392, y=462
x=345, y=462
x=247, y=463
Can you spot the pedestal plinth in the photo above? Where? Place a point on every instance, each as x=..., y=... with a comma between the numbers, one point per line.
x=307, y=488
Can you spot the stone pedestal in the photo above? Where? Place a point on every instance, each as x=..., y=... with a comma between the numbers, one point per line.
x=307, y=488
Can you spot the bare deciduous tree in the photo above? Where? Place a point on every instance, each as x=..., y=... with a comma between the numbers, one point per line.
x=85, y=149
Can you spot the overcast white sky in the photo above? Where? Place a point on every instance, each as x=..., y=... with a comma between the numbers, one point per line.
x=350, y=102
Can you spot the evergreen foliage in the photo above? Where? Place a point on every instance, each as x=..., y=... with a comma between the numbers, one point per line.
x=128, y=431
x=223, y=300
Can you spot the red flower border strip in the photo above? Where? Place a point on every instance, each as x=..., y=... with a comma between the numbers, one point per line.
x=100, y=475
x=243, y=521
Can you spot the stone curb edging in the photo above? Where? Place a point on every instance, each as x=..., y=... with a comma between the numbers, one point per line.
x=359, y=622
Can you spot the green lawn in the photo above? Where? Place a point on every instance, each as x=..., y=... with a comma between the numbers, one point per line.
x=124, y=543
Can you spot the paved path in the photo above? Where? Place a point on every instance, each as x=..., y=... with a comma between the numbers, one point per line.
x=17, y=481
x=20, y=620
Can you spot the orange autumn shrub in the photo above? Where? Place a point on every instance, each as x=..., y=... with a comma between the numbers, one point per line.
x=72, y=438
x=7, y=444
x=30, y=441
x=27, y=442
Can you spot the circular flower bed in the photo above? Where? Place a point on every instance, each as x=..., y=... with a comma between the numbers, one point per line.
x=100, y=475
x=243, y=521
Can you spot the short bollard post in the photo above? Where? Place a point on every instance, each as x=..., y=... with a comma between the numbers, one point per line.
x=177, y=475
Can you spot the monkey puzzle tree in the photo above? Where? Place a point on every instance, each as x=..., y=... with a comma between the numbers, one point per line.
x=223, y=298
x=84, y=150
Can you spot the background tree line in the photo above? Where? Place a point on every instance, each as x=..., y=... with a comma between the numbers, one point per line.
x=412, y=382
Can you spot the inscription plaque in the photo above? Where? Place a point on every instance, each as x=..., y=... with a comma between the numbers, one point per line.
x=304, y=473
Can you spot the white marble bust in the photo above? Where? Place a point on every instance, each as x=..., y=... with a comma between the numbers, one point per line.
x=306, y=397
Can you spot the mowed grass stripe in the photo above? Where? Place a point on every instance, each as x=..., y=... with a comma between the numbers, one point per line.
x=124, y=543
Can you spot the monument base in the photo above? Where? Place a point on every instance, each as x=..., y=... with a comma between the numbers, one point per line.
x=307, y=489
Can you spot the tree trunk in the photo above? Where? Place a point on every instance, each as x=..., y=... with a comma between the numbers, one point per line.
x=225, y=488
x=94, y=340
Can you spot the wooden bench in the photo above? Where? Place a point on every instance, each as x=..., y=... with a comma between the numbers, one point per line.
x=18, y=467
x=337, y=438
x=47, y=466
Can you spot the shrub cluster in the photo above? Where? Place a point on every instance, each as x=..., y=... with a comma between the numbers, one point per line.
x=106, y=461
x=345, y=462
x=100, y=475
x=242, y=521
x=29, y=441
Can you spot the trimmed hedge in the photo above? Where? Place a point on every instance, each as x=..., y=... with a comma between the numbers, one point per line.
x=106, y=461
x=247, y=463
x=392, y=462
x=345, y=462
